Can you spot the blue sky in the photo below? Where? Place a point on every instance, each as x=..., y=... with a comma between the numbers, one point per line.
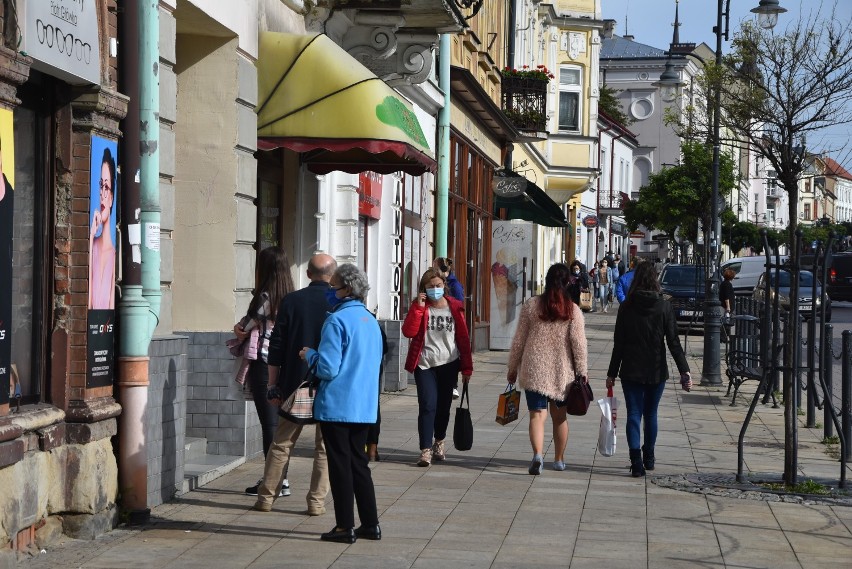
x=650, y=21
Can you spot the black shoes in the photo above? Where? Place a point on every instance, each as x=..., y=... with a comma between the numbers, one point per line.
x=340, y=535
x=637, y=469
x=369, y=532
x=648, y=457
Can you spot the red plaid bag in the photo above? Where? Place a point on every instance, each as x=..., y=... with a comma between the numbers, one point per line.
x=299, y=406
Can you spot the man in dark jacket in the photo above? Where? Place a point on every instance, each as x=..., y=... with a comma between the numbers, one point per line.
x=298, y=323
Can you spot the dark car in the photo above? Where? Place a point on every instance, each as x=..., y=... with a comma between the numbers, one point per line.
x=839, y=275
x=806, y=289
x=683, y=286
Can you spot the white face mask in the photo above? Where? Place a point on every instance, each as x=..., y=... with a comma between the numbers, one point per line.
x=576, y=271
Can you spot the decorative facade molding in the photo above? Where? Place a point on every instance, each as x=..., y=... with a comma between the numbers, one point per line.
x=14, y=72
x=98, y=109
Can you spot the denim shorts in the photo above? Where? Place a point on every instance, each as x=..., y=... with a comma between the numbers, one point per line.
x=537, y=401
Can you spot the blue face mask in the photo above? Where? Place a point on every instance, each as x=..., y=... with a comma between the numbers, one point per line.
x=434, y=293
x=331, y=297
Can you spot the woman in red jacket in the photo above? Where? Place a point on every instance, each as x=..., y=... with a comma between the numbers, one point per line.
x=439, y=349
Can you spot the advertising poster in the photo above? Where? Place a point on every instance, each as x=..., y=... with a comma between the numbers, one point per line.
x=102, y=259
x=511, y=245
x=7, y=210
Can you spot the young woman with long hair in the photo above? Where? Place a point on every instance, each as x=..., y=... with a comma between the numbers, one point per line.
x=644, y=325
x=272, y=282
x=548, y=352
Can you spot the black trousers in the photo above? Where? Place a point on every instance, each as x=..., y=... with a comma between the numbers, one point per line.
x=348, y=473
x=258, y=377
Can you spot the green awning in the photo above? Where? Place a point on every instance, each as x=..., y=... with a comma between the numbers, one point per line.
x=522, y=199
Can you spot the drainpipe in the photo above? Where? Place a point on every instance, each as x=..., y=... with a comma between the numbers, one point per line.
x=442, y=205
x=140, y=303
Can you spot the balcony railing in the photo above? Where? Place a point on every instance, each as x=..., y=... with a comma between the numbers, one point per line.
x=525, y=103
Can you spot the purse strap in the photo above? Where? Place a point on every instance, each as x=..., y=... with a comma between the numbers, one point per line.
x=464, y=395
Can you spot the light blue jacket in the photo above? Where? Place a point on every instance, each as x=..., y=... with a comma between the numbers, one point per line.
x=347, y=365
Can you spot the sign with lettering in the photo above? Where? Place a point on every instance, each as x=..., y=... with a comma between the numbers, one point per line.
x=62, y=38
x=618, y=228
x=508, y=187
x=370, y=195
x=590, y=221
x=512, y=252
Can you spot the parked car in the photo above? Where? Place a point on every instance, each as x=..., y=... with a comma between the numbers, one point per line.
x=683, y=286
x=839, y=274
x=806, y=281
x=747, y=271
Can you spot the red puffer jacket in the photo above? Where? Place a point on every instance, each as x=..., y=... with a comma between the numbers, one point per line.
x=414, y=327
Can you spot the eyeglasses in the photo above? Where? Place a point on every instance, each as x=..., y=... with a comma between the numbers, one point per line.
x=104, y=184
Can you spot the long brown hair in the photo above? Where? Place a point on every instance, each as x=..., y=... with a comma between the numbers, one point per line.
x=273, y=278
x=556, y=303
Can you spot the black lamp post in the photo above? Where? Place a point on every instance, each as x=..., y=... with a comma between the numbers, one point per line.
x=767, y=12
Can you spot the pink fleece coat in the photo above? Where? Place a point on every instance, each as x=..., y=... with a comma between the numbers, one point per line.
x=546, y=356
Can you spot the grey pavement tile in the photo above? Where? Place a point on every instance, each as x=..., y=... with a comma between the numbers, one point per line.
x=596, y=563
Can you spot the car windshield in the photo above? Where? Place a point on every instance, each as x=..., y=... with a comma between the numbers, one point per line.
x=806, y=278
x=683, y=277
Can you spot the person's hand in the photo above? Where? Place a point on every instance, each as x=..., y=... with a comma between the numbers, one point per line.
x=240, y=333
x=686, y=381
x=421, y=299
x=303, y=352
x=465, y=379
x=512, y=377
x=610, y=382
x=273, y=395
x=96, y=223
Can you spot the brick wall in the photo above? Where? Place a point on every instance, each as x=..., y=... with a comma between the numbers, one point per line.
x=166, y=417
x=217, y=408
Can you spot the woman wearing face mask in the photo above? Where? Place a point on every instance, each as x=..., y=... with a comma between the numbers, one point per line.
x=578, y=281
x=440, y=348
x=606, y=279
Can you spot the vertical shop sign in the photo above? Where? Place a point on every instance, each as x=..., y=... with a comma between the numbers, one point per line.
x=396, y=248
x=512, y=249
x=7, y=209
x=370, y=195
x=102, y=258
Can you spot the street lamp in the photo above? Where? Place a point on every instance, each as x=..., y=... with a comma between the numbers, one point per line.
x=669, y=83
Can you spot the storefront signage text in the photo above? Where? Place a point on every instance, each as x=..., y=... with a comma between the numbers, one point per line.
x=590, y=221
x=370, y=195
x=508, y=187
x=62, y=38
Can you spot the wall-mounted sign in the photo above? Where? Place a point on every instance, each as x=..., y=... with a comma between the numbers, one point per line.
x=62, y=38
x=618, y=228
x=509, y=187
x=590, y=221
x=637, y=235
x=370, y=195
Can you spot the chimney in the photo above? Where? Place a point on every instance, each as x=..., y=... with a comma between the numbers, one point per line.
x=630, y=37
x=608, y=28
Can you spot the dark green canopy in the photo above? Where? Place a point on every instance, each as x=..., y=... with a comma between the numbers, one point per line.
x=522, y=199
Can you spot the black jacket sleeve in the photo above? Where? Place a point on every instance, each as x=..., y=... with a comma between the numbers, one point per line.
x=277, y=340
x=617, y=345
x=672, y=339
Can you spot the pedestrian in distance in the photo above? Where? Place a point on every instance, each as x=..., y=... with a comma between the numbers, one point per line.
x=644, y=326
x=726, y=292
x=273, y=282
x=606, y=278
x=548, y=352
x=454, y=289
x=623, y=284
x=578, y=280
x=439, y=350
x=376, y=428
x=347, y=363
x=299, y=322
x=619, y=265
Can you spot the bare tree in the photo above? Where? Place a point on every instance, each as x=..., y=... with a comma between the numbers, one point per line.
x=777, y=90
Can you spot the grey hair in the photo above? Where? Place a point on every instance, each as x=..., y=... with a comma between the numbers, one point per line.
x=353, y=278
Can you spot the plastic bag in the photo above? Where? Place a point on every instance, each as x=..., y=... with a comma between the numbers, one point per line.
x=606, y=433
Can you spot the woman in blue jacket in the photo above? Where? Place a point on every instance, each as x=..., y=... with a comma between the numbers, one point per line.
x=347, y=364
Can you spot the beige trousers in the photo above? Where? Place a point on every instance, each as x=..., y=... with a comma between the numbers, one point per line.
x=278, y=458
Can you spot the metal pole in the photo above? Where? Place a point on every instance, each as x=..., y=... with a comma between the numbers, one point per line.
x=846, y=391
x=827, y=360
x=442, y=201
x=711, y=373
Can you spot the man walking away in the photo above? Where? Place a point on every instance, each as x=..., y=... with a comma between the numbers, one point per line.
x=299, y=323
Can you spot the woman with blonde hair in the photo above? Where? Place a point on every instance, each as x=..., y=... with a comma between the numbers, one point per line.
x=548, y=352
x=439, y=349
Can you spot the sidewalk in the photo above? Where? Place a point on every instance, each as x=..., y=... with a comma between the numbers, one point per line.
x=482, y=509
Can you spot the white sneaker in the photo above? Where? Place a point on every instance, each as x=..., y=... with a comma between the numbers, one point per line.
x=455, y=393
x=285, y=488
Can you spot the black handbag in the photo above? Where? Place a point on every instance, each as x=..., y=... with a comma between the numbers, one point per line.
x=463, y=426
x=579, y=397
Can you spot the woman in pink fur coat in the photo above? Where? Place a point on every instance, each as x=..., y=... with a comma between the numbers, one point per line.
x=548, y=352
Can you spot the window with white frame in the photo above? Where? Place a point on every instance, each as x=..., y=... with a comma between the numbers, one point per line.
x=570, y=87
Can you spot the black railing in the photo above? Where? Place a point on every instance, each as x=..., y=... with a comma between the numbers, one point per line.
x=525, y=103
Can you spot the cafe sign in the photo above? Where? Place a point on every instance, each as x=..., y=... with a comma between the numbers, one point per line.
x=509, y=186
x=62, y=38
x=590, y=221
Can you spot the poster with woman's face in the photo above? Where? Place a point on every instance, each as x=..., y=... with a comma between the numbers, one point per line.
x=102, y=260
x=7, y=210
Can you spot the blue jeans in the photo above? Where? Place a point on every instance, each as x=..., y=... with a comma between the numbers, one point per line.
x=642, y=401
x=434, y=399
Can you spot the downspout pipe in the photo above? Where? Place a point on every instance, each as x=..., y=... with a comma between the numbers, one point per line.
x=442, y=203
x=140, y=300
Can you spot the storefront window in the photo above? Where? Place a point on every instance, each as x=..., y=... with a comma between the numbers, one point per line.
x=269, y=207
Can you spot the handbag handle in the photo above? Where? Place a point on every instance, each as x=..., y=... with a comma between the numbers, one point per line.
x=464, y=395
x=509, y=387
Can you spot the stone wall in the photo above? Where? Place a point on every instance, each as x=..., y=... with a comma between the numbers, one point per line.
x=395, y=377
x=166, y=417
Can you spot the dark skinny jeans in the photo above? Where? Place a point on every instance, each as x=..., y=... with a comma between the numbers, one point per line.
x=642, y=400
x=434, y=399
